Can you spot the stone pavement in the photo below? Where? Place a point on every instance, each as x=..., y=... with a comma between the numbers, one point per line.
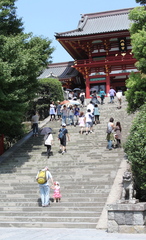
x=64, y=234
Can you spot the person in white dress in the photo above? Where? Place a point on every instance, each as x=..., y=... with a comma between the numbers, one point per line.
x=52, y=111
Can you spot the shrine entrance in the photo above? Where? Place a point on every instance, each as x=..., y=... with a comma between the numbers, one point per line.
x=118, y=82
x=97, y=87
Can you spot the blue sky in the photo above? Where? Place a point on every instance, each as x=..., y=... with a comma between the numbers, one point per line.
x=45, y=17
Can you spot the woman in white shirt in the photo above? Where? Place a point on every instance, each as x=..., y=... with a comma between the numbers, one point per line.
x=48, y=142
x=89, y=121
x=52, y=111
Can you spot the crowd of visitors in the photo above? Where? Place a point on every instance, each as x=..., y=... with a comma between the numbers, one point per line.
x=76, y=115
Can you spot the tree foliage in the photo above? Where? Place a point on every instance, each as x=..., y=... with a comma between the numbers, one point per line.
x=22, y=58
x=135, y=148
x=138, y=18
x=136, y=84
x=142, y=2
x=138, y=37
x=9, y=23
x=50, y=89
x=136, y=94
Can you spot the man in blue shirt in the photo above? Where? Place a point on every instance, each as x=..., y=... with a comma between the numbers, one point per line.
x=112, y=94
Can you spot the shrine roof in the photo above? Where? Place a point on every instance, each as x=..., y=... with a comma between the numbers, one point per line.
x=100, y=22
x=59, y=70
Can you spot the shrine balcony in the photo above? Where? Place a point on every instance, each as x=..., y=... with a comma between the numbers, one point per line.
x=109, y=60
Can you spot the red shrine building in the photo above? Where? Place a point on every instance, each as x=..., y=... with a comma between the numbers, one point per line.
x=101, y=49
x=102, y=52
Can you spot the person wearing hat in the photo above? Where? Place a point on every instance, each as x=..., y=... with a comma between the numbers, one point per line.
x=63, y=132
x=56, y=195
x=45, y=188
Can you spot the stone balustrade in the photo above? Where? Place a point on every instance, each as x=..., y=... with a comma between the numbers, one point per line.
x=127, y=218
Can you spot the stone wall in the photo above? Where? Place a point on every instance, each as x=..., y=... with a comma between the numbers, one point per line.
x=127, y=218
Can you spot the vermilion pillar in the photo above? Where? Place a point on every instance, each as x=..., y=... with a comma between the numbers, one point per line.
x=107, y=83
x=87, y=88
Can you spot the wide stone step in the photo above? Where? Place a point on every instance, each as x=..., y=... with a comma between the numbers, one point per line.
x=81, y=225
x=63, y=204
x=56, y=207
x=73, y=184
x=78, y=198
x=85, y=175
x=47, y=219
x=52, y=214
x=68, y=192
x=66, y=189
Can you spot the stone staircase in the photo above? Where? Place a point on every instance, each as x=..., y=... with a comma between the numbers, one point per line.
x=86, y=174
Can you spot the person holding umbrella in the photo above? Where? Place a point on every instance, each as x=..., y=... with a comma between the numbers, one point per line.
x=94, y=98
x=76, y=93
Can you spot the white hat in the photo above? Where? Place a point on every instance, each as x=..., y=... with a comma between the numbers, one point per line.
x=63, y=124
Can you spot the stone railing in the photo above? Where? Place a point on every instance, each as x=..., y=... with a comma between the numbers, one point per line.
x=127, y=218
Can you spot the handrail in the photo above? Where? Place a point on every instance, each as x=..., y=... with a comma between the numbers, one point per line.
x=107, y=59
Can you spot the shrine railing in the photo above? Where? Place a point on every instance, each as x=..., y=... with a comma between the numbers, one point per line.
x=108, y=59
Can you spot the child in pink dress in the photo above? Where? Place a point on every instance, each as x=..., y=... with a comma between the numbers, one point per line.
x=81, y=122
x=56, y=195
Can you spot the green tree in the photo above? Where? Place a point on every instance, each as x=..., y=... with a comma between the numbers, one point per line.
x=135, y=146
x=136, y=94
x=142, y=2
x=9, y=23
x=22, y=59
x=135, y=149
x=136, y=83
x=50, y=89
